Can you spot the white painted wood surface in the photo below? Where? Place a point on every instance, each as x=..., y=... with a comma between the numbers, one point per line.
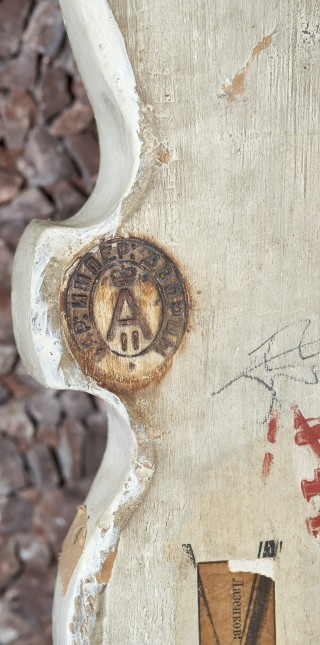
x=228, y=184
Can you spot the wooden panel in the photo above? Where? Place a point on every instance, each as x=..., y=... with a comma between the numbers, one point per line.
x=228, y=437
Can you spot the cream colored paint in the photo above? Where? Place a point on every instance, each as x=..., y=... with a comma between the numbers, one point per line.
x=237, y=203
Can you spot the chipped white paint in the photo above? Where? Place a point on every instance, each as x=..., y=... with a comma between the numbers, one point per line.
x=106, y=71
x=236, y=199
x=122, y=479
x=42, y=257
x=263, y=566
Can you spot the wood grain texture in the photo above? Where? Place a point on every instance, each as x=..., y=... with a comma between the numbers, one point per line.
x=228, y=185
x=232, y=91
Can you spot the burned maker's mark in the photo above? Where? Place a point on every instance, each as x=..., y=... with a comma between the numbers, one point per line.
x=126, y=311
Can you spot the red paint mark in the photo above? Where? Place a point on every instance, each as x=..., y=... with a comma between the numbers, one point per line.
x=273, y=426
x=313, y=525
x=311, y=489
x=300, y=437
x=308, y=435
x=266, y=466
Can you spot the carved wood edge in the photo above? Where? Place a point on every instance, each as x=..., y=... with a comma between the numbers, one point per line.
x=60, y=280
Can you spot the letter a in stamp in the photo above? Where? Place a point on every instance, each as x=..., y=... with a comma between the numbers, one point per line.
x=125, y=309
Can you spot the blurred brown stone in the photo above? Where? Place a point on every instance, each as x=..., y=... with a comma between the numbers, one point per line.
x=44, y=407
x=9, y=563
x=44, y=162
x=30, y=204
x=4, y=394
x=71, y=448
x=76, y=404
x=6, y=331
x=2, y=128
x=78, y=89
x=49, y=435
x=54, y=91
x=8, y=357
x=16, y=515
x=98, y=422
x=19, y=72
x=26, y=379
x=18, y=388
x=42, y=467
x=84, y=150
x=64, y=60
x=18, y=111
x=34, y=551
x=14, y=420
x=11, y=232
x=37, y=640
x=45, y=31
x=12, y=475
x=96, y=441
x=33, y=592
x=13, y=14
x=94, y=450
x=73, y=120
x=10, y=183
x=8, y=158
x=13, y=625
x=101, y=406
x=67, y=199
x=6, y=263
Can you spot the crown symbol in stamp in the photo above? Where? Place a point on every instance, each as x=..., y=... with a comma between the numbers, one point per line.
x=123, y=277
x=126, y=311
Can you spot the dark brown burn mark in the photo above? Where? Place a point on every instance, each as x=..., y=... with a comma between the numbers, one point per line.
x=126, y=308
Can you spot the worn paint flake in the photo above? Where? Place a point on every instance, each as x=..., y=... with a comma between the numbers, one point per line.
x=104, y=574
x=73, y=547
x=238, y=85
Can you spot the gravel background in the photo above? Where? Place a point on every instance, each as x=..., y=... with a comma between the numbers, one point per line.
x=50, y=442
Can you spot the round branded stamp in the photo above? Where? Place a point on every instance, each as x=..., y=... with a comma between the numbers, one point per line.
x=126, y=311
